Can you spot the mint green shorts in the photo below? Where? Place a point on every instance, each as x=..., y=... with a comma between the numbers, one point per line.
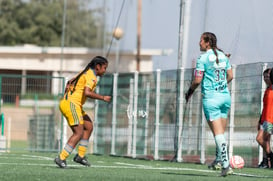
x=216, y=106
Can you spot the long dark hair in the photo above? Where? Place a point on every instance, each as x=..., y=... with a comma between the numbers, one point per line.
x=266, y=71
x=212, y=40
x=98, y=60
x=271, y=75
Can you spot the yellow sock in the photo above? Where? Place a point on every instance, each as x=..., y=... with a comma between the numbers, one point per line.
x=66, y=151
x=82, y=147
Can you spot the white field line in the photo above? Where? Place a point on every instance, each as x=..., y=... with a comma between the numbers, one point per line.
x=27, y=157
x=126, y=166
x=129, y=164
x=39, y=157
x=36, y=164
x=135, y=167
x=114, y=166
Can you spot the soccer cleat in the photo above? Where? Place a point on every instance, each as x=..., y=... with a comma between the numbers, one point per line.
x=215, y=165
x=81, y=160
x=60, y=163
x=230, y=171
x=270, y=156
x=226, y=171
x=264, y=163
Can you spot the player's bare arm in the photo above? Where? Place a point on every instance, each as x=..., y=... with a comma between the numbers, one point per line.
x=229, y=75
x=93, y=95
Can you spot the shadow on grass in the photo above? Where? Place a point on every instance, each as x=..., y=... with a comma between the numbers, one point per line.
x=205, y=175
x=187, y=174
x=67, y=168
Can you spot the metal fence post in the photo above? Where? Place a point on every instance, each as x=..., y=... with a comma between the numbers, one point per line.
x=135, y=113
x=147, y=117
x=232, y=111
x=95, y=132
x=1, y=93
x=262, y=94
x=114, y=114
x=180, y=115
x=130, y=116
x=2, y=124
x=203, y=137
x=157, y=114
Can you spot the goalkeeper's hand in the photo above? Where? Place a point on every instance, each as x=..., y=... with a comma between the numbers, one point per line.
x=188, y=94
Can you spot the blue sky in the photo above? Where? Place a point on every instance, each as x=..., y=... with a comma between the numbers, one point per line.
x=243, y=28
x=158, y=30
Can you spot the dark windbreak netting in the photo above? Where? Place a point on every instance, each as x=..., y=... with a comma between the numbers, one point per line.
x=150, y=119
x=147, y=117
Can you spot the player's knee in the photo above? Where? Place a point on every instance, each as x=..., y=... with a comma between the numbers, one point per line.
x=78, y=130
x=259, y=139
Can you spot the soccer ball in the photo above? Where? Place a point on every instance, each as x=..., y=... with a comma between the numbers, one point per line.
x=236, y=161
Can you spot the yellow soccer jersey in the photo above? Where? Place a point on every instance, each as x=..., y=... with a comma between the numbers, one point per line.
x=76, y=95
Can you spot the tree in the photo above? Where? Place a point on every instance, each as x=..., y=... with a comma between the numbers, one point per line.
x=40, y=22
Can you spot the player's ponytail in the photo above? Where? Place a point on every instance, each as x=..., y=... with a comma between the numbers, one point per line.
x=212, y=40
x=215, y=52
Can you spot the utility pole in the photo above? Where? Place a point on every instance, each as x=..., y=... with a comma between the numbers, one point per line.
x=63, y=38
x=184, y=23
x=138, y=34
x=104, y=9
x=181, y=31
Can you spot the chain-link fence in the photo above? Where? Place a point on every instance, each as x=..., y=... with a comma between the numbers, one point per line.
x=30, y=117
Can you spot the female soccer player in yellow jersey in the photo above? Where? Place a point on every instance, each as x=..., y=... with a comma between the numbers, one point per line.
x=77, y=90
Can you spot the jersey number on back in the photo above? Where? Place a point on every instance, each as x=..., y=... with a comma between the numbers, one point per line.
x=220, y=74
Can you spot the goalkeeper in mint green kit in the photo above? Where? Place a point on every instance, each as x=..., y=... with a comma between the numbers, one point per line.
x=214, y=72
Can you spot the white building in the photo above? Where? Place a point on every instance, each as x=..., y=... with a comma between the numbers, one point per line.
x=30, y=60
x=51, y=61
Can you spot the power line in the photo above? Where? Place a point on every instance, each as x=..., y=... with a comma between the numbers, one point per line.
x=121, y=9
